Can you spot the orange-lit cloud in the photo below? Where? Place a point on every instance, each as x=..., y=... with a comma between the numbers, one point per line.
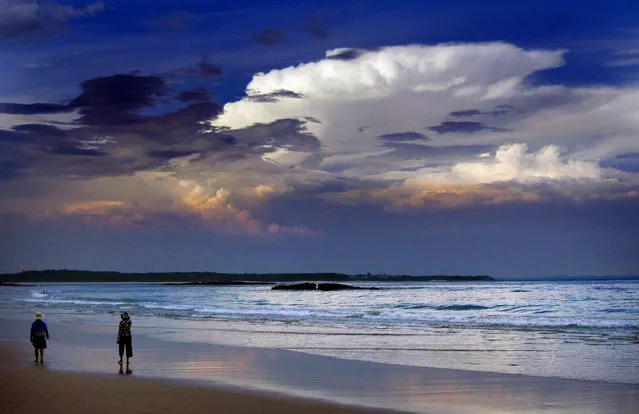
x=216, y=208
x=100, y=207
x=262, y=191
x=102, y=213
x=511, y=175
x=213, y=209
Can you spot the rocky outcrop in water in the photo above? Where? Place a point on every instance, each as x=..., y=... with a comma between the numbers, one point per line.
x=296, y=286
x=340, y=286
x=217, y=283
x=320, y=286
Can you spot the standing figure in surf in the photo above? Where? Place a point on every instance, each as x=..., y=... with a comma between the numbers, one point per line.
x=38, y=337
x=124, y=338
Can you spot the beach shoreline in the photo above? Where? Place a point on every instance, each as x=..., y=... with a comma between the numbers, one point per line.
x=79, y=392
x=87, y=353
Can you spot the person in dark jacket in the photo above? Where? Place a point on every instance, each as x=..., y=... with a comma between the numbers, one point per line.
x=38, y=336
x=124, y=337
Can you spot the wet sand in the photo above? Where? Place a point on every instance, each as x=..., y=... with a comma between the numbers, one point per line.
x=166, y=375
x=31, y=388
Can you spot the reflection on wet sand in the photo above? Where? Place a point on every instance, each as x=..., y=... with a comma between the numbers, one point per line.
x=420, y=390
x=406, y=388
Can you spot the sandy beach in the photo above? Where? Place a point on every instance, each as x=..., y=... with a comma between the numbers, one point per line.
x=80, y=375
x=29, y=388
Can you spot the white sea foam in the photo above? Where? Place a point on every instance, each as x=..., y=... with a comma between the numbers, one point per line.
x=253, y=311
x=402, y=323
x=500, y=306
x=71, y=302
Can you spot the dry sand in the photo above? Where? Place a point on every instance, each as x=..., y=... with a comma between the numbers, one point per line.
x=32, y=388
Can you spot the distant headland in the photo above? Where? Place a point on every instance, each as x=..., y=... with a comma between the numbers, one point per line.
x=87, y=276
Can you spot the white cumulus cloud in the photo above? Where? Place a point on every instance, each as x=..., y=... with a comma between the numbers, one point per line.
x=445, y=115
x=514, y=162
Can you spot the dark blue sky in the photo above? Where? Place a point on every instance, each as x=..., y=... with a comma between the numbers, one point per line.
x=416, y=137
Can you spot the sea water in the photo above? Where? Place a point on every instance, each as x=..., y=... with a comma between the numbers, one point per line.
x=580, y=330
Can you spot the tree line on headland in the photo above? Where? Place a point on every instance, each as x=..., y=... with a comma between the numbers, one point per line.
x=85, y=276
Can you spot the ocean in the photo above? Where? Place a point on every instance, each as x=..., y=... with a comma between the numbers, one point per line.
x=578, y=330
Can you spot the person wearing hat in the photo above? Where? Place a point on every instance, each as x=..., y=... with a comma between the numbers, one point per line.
x=38, y=336
x=124, y=337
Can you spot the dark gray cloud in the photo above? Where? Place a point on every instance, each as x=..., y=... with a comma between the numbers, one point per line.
x=9, y=136
x=194, y=95
x=267, y=37
x=37, y=139
x=206, y=68
x=40, y=129
x=113, y=149
x=9, y=170
x=115, y=99
x=502, y=110
x=465, y=127
x=289, y=133
x=33, y=109
x=183, y=117
x=18, y=151
x=109, y=150
x=68, y=149
x=10, y=28
x=22, y=17
x=465, y=113
x=628, y=162
x=274, y=96
x=37, y=134
x=628, y=156
x=168, y=154
x=438, y=154
x=227, y=139
x=348, y=54
x=404, y=136
x=112, y=137
x=38, y=147
x=110, y=122
x=123, y=92
x=14, y=160
x=310, y=192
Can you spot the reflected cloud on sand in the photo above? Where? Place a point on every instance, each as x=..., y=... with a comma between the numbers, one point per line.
x=412, y=389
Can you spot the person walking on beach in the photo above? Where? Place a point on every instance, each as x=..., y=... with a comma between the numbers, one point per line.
x=38, y=336
x=124, y=338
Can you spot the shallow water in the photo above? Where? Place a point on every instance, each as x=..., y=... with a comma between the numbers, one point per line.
x=580, y=330
x=91, y=348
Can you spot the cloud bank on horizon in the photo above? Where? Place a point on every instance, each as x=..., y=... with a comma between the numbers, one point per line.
x=411, y=127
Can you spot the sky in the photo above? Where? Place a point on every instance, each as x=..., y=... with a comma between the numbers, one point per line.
x=403, y=137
